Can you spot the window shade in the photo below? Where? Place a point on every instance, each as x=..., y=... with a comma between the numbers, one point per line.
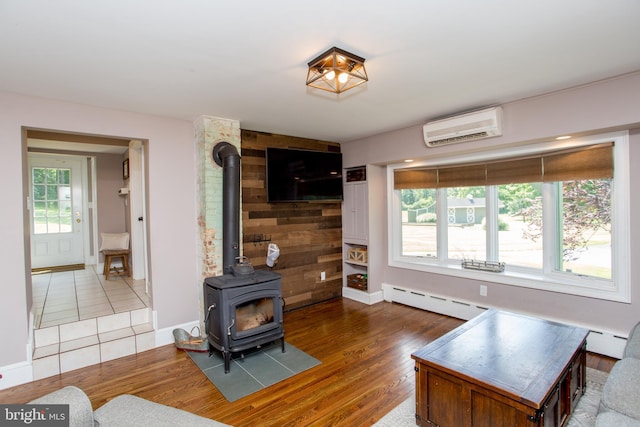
x=595, y=163
x=415, y=178
x=461, y=176
x=515, y=171
x=589, y=162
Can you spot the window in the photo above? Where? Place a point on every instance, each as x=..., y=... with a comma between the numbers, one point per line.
x=585, y=218
x=545, y=211
x=51, y=200
x=466, y=222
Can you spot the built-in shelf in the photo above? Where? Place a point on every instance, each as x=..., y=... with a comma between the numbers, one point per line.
x=363, y=229
x=361, y=264
x=355, y=230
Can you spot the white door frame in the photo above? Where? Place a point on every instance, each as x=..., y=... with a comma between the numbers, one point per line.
x=137, y=209
x=92, y=245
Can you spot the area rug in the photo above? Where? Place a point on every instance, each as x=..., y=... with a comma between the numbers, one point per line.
x=404, y=415
x=254, y=369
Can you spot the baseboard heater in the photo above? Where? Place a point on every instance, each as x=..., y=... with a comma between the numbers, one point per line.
x=601, y=342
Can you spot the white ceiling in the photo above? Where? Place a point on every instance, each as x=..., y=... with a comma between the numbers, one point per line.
x=247, y=59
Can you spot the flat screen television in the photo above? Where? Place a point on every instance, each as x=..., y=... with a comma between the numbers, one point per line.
x=295, y=175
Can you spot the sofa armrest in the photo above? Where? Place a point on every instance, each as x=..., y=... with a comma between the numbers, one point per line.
x=80, y=409
x=632, y=349
x=614, y=419
x=621, y=392
x=131, y=411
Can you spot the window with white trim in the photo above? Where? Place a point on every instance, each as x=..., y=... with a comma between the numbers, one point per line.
x=545, y=212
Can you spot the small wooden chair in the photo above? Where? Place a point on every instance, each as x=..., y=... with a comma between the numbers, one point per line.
x=115, y=246
x=109, y=256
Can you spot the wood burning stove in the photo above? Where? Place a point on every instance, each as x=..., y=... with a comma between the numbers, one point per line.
x=243, y=312
x=243, y=307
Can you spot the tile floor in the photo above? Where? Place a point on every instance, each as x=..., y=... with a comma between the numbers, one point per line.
x=82, y=319
x=70, y=296
x=254, y=369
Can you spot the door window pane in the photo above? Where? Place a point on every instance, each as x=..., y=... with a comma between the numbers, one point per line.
x=50, y=175
x=64, y=176
x=39, y=192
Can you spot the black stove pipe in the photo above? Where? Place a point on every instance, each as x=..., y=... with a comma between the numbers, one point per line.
x=226, y=155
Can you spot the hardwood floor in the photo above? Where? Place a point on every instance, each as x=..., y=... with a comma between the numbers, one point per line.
x=366, y=370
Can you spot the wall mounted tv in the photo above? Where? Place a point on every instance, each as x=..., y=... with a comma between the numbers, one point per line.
x=295, y=175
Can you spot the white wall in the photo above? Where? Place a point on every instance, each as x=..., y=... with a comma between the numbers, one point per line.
x=595, y=108
x=172, y=208
x=172, y=201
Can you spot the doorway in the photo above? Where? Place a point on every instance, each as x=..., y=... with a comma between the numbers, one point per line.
x=77, y=189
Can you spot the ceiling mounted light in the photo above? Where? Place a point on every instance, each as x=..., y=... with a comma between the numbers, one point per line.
x=336, y=70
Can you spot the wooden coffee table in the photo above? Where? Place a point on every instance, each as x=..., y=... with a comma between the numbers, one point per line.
x=501, y=369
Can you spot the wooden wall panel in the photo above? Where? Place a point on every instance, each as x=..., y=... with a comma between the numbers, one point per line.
x=309, y=235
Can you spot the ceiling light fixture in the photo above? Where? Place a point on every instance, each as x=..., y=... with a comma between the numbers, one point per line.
x=336, y=70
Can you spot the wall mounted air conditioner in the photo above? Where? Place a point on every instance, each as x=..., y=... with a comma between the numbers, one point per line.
x=464, y=127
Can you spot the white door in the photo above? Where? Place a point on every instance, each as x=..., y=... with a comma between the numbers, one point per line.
x=56, y=210
x=355, y=213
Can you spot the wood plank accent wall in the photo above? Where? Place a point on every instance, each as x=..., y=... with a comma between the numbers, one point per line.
x=309, y=235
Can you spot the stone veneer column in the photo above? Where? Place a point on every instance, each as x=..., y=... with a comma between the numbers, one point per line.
x=208, y=132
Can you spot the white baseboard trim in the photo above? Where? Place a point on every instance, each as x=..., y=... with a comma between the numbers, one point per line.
x=165, y=336
x=431, y=302
x=363, y=297
x=607, y=343
x=16, y=374
x=599, y=341
x=22, y=372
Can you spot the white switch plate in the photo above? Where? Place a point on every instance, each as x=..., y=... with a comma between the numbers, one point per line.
x=323, y=276
x=483, y=290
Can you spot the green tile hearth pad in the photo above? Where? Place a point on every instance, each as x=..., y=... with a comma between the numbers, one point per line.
x=253, y=370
